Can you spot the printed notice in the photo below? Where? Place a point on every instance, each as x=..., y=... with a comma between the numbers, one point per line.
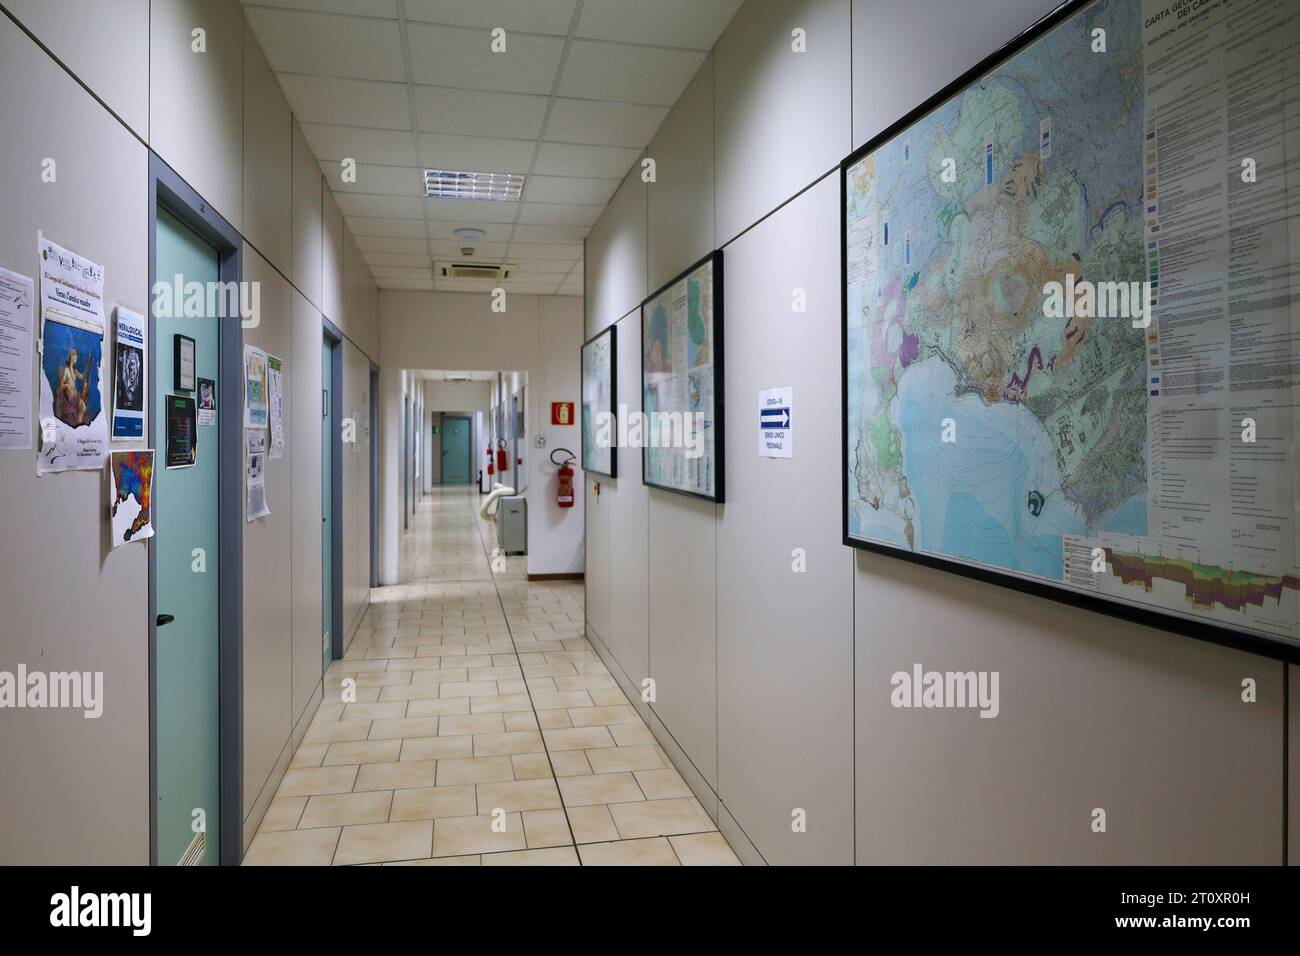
x=128, y=376
x=256, y=470
x=17, y=293
x=275, y=401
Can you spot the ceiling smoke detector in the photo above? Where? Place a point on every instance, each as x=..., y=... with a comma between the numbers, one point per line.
x=470, y=232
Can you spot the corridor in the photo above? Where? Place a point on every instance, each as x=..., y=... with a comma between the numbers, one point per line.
x=485, y=729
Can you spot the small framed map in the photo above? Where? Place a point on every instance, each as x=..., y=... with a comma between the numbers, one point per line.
x=600, y=403
x=1047, y=276
x=681, y=383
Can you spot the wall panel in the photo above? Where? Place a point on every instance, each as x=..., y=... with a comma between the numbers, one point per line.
x=307, y=217
x=305, y=452
x=615, y=273
x=268, y=160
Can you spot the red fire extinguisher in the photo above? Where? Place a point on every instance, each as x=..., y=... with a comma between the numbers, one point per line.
x=491, y=471
x=564, y=493
x=501, y=455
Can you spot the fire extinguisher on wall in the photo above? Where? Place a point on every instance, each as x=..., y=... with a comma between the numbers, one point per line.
x=564, y=493
x=490, y=470
x=502, y=465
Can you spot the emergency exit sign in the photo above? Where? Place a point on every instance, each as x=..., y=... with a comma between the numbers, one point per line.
x=562, y=413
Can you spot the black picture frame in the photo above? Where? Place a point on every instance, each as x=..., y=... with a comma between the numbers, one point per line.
x=612, y=332
x=1214, y=633
x=180, y=345
x=719, y=381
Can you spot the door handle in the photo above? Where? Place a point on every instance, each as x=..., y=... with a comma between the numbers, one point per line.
x=165, y=619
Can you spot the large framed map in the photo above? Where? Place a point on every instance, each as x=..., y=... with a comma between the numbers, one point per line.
x=681, y=383
x=1070, y=340
x=599, y=402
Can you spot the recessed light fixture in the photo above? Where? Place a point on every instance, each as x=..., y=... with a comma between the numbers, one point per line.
x=451, y=184
x=470, y=233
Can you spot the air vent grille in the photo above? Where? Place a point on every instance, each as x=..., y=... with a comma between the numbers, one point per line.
x=472, y=270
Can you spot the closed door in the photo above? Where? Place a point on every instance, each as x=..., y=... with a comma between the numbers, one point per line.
x=187, y=728
x=327, y=502
x=455, y=451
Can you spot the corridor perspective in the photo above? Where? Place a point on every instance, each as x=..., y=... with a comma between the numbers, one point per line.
x=478, y=701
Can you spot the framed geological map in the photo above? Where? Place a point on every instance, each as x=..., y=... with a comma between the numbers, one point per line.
x=1071, y=357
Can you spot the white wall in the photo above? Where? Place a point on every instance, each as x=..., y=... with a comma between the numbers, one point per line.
x=783, y=702
x=77, y=790
x=451, y=398
x=538, y=337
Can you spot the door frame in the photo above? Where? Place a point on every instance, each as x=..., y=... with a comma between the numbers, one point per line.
x=443, y=418
x=334, y=338
x=169, y=190
x=374, y=474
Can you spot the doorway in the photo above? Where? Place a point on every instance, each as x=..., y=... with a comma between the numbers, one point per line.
x=195, y=556
x=457, y=450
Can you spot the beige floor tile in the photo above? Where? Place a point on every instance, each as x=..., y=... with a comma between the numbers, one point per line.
x=662, y=784
x=520, y=721
x=599, y=788
x=592, y=824
x=631, y=735
x=437, y=708
x=439, y=861
x=293, y=848
x=426, y=803
x=612, y=759
x=308, y=755
x=570, y=763
x=402, y=775
x=374, y=711
x=703, y=849
x=341, y=809
x=553, y=719
x=660, y=817
x=557, y=856
x=520, y=742
x=518, y=795
x=307, y=782
x=543, y=700
x=362, y=751
x=531, y=766
x=381, y=842
x=469, y=688
x=577, y=738
x=500, y=703
x=653, y=852
x=591, y=716
x=337, y=730
x=437, y=748
x=399, y=727
x=456, y=836
x=283, y=813
x=474, y=770
x=543, y=828
x=473, y=724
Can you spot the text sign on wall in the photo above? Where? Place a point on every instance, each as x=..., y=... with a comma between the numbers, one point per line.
x=562, y=413
x=775, y=437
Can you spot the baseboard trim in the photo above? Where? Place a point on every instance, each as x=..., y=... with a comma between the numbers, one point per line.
x=567, y=576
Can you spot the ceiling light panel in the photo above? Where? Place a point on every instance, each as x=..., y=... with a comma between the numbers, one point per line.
x=455, y=184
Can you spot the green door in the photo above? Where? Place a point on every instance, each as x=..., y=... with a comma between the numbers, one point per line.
x=187, y=725
x=327, y=502
x=455, y=450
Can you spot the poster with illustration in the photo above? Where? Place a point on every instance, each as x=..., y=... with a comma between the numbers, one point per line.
x=256, y=406
x=128, y=376
x=132, y=489
x=207, y=401
x=74, y=426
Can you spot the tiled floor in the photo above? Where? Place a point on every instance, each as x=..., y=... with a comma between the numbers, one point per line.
x=482, y=729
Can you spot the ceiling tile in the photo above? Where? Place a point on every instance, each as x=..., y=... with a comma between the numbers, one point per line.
x=397, y=228
x=471, y=210
x=394, y=244
x=688, y=23
x=446, y=230
x=380, y=207
x=324, y=99
x=360, y=8
x=559, y=214
x=466, y=285
x=385, y=146
x=569, y=189
x=452, y=56
x=555, y=267
x=399, y=272
x=440, y=109
x=630, y=74
x=412, y=285
x=529, y=233
x=530, y=250
x=407, y=260
x=533, y=16
x=475, y=153
x=329, y=45
x=381, y=180
x=449, y=249
x=607, y=162
x=603, y=123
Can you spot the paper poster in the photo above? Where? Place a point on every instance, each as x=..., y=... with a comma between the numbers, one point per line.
x=256, y=470
x=207, y=402
x=255, y=404
x=775, y=437
x=275, y=400
x=128, y=376
x=132, y=489
x=182, y=436
x=74, y=425
x=17, y=293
